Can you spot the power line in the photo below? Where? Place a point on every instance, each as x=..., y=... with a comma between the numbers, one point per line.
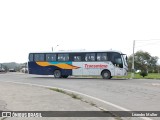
x=153, y=43
x=147, y=40
x=132, y=75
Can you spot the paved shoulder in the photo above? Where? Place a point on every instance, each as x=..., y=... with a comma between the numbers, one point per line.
x=16, y=97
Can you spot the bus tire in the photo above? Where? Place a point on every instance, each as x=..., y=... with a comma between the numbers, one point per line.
x=57, y=74
x=106, y=74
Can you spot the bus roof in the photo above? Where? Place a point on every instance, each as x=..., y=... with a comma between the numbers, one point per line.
x=80, y=51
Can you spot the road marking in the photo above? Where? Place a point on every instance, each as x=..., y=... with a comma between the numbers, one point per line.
x=153, y=84
x=156, y=84
x=108, y=103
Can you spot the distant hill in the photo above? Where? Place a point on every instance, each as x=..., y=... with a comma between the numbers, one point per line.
x=12, y=65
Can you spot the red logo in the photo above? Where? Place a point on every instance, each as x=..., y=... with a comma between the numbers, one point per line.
x=95, y=66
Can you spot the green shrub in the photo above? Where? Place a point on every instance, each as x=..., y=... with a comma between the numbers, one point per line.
x=143, y=73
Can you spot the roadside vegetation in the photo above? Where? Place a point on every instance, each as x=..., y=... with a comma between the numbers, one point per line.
x=138, y=76
x=145, y=66
x=143, y=61
x=67, y=93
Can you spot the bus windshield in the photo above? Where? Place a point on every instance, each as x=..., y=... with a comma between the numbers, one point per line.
x=125, y=59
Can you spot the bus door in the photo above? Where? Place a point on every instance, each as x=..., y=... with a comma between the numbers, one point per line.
x=118, y=71
x=116, y=60
x=118, y=66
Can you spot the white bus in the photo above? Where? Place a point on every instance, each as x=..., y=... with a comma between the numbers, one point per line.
x=82, y=63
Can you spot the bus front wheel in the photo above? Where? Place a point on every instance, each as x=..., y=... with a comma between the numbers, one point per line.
x=106, y=74
x=57, y=74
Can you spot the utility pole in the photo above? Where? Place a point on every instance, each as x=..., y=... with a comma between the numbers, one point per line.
x=132, y=74
x=134, y=42
x=54, y=48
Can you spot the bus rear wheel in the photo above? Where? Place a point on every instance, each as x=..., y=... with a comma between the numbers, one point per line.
x=106, y=74
x=57, y=74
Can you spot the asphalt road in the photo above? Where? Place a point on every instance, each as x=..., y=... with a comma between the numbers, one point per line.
x=135, y=95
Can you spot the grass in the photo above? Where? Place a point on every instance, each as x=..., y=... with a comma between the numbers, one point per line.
x=137, y=76
x=75, y=96
x=67, y=93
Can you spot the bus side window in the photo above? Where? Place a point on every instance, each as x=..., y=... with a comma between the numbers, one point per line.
x=63, y=57
x=86, y=58
x=90, y=57
x=39, y=57
x=77, y=58
x=101, y=56
x=104, y=57
x=60, y=57
x=50, y=57
x=98, y=58
x=66, y=57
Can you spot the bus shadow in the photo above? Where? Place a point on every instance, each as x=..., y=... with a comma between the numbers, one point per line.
x=77, y=78
x=120, y=79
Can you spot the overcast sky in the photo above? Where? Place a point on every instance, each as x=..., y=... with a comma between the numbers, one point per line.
x=38, y=25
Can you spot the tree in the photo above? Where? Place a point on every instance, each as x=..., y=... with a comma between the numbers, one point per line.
x=5, y=68
x=143, y=73
x=158, y=69
x=153, y=65
x=143, y=61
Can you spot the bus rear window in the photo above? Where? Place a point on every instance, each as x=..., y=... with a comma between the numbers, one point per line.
x=30, y=57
